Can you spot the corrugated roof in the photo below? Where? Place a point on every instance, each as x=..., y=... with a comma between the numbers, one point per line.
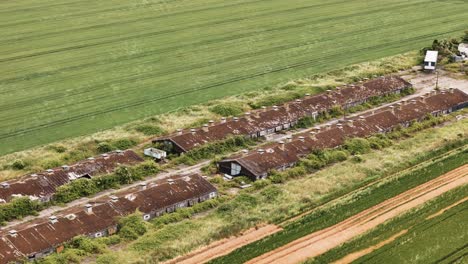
x=41, y=234
x=277, y=156
x=44, y=184
x=290, y=112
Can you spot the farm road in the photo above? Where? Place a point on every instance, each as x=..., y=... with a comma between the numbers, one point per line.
x=321, y=241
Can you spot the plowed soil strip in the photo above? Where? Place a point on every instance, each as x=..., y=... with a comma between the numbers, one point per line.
x=225, y=246
x=321, y=241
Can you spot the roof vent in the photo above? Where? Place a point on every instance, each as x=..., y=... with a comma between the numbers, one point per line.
x=88, y=208
x=289, y=138
x=119, y=151
x=91, y=158
x=13, y=233
x=34, y=175
x=351, y=123
x=281, y=145
x=301, y=138
x=205, y=128
x=192, y=131
x=65, y=167
x=451, y=90
x=313, y=135
x=275, y=107
x=245, y=152
x=307, y=94
x=298, y=101
x=170, y=181
x=114, y=198
x=53, y=219
x=105, y=155
x=50, y=171
x=211, y=122
x=143, y=186
x=392, y=109
x=71, y=216
x=223, y=120
x=235, y=119
x=328, y=126
x=264, y=108
x=5, y=185
x=179, y=131
x=261, y=151
x=247, y=115
x=413, y=101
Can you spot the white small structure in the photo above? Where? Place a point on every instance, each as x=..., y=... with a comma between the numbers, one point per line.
x=430, y=61
x=155, y=153
x=463, y=48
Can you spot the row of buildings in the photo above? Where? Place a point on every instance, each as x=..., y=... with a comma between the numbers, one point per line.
x=273, y=119
x=42, y=186
x=99, y=218
x=279, y=156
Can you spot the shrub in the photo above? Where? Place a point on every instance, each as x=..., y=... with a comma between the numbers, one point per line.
x=18, y=164
x=260, y=184
x=104, y=147
x=271, y=192
x=57, y=148
x=87, y=244
x=124, y=143
x=18, y=208
x=357, y=146
x=226, y=110
x=131, y=227
x=150, y=130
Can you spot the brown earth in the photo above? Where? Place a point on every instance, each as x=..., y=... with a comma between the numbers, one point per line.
x=321, y=241
x=447, y=208
x=225, y=246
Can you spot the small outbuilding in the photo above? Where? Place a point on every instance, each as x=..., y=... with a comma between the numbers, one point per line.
x=463, y=49
x=430, y=61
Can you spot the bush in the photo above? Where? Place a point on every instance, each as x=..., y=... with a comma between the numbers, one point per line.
x=124, y=143
x=357, y=146
x=131, y=227
x=150, y=130
x=57, y=148
x=18, y=208
x=104, y=147
x=87, y=245
x=18, y=165
x=260, y=184
x=226, y=110
x=271, y=192
x=107, y=259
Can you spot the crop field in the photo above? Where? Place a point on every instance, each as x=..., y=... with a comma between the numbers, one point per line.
x=434, y=233
x=72, y=67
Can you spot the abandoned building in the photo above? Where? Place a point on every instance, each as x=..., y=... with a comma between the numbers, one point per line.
x=272, y=119
x=41, y=186
x=279, y=156
x=36, y=239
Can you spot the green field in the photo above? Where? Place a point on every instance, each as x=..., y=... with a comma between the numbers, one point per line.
x=429, y=238
x=74, y=67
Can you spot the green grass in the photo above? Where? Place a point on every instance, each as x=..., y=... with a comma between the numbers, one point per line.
x=71, y=68
x=330, y=215
x=440, y=239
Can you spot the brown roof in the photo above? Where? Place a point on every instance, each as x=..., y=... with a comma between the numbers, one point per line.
x=44, y=184
x=41, y=234
x=261, y=120
x=274, y=156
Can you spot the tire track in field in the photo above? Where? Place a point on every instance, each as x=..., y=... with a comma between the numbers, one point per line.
x=321, y=241
x=154, y=33
x=140, y=78
x=60, y=95
x=152, y=18
x=185, y=92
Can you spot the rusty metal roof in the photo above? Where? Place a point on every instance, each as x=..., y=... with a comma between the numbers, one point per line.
x=269, y=118
x=276, y=156
x=44, y=184
x=41, y=234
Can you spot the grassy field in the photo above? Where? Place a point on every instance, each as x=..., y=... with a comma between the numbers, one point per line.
x=290, y=198
x=74, y=67
x=431, y=236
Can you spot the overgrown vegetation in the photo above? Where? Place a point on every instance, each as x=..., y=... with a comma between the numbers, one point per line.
x=210, y=150
x=343, y=209
x=85, y=187
x=19, y=208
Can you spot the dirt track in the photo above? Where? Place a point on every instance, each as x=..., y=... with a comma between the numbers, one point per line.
x=321, y=241
x=225, y=246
